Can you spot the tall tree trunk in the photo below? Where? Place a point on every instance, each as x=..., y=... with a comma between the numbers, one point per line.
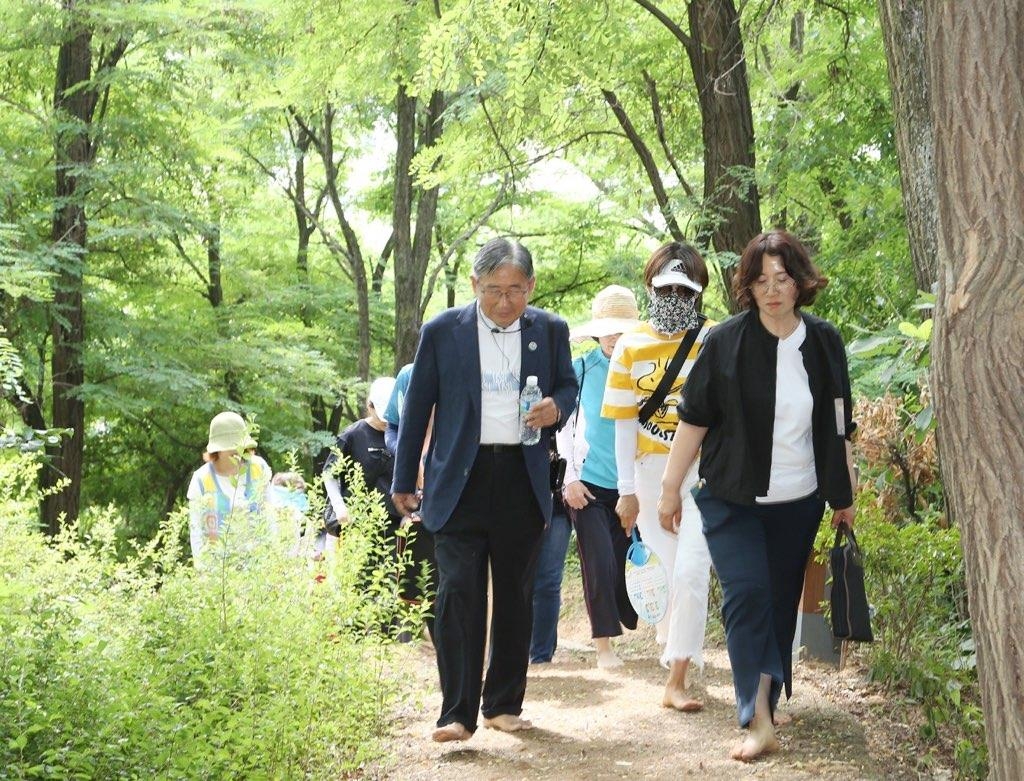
x=903, y=29
x=731, y=199
x=974, y=51
x=346, y=251
x=75, y=100
x=792, y=93
x=412, y=244
x=351, y=251
x=73, y=153
x=304, y=229
x=407, y=297
x=215, y=294
x=714, y=46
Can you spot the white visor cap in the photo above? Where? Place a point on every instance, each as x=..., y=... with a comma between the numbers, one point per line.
x=674, y=274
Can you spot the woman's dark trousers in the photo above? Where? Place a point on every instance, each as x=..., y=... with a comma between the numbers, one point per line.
x=603, y=545
x=760, y=553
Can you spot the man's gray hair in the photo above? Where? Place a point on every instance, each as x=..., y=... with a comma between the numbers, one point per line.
x=500, y=252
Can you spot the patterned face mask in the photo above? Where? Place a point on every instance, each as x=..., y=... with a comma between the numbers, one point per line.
x=672, y=313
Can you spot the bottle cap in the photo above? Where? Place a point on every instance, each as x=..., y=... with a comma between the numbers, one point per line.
x=531, y=379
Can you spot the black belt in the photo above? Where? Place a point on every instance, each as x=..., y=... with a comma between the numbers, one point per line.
x=501, y=447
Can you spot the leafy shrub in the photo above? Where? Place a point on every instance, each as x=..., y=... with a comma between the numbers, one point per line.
x=149, y=668
x=923, y=646
x=912, y=554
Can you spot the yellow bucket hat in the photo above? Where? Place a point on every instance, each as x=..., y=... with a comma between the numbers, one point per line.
x=228, y=431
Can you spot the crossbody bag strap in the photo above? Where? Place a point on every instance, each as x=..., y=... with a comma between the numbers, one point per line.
x=552, y=444
x=672, y=372
x=579, y=396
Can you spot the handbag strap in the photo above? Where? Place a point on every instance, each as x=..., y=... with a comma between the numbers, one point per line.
x=638, y=553
x=847, y=530
x=672, y=372
x=552, y=444
x=579, y=396
x=576, y=416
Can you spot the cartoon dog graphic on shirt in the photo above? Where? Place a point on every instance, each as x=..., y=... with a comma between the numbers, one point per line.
x=650, y=374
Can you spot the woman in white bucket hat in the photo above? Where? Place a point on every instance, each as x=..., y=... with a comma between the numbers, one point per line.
x=231, y=486
x=587, y=442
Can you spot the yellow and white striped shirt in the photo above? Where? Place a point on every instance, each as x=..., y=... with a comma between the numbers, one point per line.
x=637, y=366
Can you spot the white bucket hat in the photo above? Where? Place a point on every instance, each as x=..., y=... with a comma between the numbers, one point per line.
x=674, y=273
x=380, y=394
x=228, y=431
x=613, y=311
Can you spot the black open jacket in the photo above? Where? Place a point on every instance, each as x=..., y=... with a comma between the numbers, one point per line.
x=731, y=392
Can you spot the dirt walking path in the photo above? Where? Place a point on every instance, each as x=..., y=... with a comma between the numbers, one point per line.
x=608, y=724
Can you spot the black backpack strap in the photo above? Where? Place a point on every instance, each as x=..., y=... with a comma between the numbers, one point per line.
x=672, y=372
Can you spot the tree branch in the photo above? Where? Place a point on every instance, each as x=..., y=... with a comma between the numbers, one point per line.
x=562, y=147
x=335, y=247
x=647, y=160
x=496, y=203
x=304, y=126
x=176, y=241
x=659, y=123
x=669, y=24
x=497, y=140
x=27, y=403
x=846, y=20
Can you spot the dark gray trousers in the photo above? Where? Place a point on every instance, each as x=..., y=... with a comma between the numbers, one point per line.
x=760, y=553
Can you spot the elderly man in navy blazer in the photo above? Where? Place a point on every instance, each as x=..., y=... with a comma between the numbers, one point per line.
x=487, y=497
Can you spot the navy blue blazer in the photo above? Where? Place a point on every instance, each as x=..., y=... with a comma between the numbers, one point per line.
x=446, y=378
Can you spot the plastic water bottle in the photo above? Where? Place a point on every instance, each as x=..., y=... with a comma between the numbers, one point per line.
x=531, y=395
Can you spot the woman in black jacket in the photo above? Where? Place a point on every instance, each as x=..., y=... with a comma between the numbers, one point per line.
x=767, y=404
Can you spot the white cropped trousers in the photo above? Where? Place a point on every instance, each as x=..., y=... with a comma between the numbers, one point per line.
x=685, y=558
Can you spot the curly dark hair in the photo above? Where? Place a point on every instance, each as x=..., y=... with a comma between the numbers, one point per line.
x=795, y=258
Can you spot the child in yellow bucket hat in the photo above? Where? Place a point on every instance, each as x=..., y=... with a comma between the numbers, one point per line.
x=227, y=495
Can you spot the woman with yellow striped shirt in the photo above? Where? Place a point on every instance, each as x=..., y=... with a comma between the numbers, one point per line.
x=675, y=277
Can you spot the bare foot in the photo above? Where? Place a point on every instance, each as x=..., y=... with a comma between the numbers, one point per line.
x=758, y=743
x=679, y=700
x=450, y=732
x=608, y=659
x=781, y=719
x=506, y=722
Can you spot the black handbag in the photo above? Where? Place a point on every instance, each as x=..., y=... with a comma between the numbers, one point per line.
x=851, y=616
x=557, y=469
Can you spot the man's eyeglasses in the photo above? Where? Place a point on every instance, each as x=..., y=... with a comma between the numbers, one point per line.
x=496, y=293
x=778, y=284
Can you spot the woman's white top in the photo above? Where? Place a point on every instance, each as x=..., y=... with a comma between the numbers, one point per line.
x=792, y=473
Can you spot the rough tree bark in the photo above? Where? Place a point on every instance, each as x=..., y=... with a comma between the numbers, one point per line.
x=903, y=29
x=974, y=52
x=413, y=238
x=727, y=125
x=75, y=100
x=714, y=47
